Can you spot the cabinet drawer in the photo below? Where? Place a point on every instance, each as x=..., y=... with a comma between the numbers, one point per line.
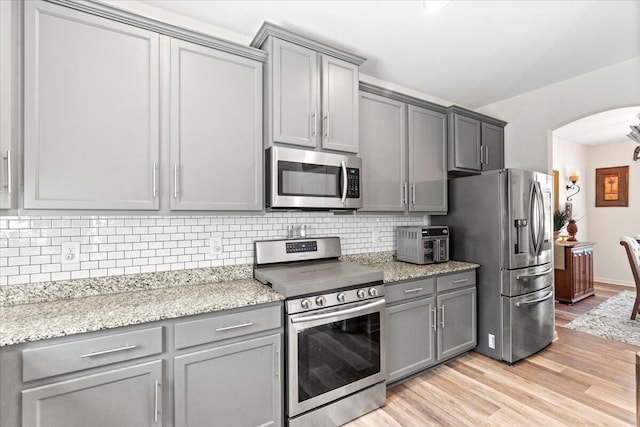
x=405, y=290
x=225, y=326
x=89, y=353
x=455, y=281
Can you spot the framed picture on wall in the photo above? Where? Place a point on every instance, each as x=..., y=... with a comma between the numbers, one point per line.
x=612, y=186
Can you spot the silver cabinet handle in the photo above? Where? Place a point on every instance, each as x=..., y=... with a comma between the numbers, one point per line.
x=442, y=318
x=103, y=352
x=413, y=193
x=404, y=193
x=175, y=180
x=9, y=175
x=155, y=402
x=278, y=363
x=344, y=182
x=528, y=276
x=486, y=155
x=481, y=155
x=326, y=124
x=227, y=328
x=460, y=281
x=434, y=324
x=409, y=291
x=155, y=180
x=315, y=124
x=535, y=301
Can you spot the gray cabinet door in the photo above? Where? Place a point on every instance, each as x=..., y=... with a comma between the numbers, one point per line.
x=91, y=111
x=339, y=105
x=128, y=397
x=295, y=114
x=493, y=146
x=383, y=151
x=410, y=342
x=427, y=161
x=216, y=130
x=456, y=322
x=466, y=142
x=7, y=151
x=232, y=385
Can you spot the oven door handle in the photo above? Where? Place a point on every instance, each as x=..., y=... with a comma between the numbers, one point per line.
x=352, y=310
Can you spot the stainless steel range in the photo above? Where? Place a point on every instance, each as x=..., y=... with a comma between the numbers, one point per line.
x=335, y=329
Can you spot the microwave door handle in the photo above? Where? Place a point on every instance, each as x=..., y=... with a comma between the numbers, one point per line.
x=344, y=182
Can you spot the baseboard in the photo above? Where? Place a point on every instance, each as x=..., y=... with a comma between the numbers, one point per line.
x=614, y=282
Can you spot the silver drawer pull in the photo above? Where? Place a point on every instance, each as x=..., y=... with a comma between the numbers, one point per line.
x=409, y=291
x=460, y=281
x=227, y=328
x=113, y=350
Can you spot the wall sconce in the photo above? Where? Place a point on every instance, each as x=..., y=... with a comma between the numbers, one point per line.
x=573, y=177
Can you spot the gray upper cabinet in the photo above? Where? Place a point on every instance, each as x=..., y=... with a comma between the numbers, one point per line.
x=216, y=130
x=98, y=400
x=427, y=160
x=383, y=149
x=339, y=105
x=294, y=94
x=91, y=111
x=311, y=92
x=403, y=150
x=7, y=149
x=476, y=142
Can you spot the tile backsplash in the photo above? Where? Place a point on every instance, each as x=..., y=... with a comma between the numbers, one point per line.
x=30, y=246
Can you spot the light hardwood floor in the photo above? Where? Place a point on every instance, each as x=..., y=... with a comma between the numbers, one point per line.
x=579, y=380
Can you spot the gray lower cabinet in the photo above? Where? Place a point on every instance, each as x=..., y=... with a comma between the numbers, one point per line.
x=127, y=397
x=311, y=92
x=476, y=142
x=91, y=111
x=429, y=321
x=7, y=149
x=216, y=130
x=230, y=385
x=403, y=150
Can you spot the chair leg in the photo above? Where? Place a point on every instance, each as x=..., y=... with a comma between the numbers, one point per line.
x=636, y=307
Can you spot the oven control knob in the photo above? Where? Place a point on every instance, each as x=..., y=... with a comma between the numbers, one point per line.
x=361, y=293
x=373, y=292
x=342, y=297
x=305, y=303
x=320, y=301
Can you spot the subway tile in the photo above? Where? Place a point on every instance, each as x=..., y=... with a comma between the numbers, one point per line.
x=61, y=275
x=42, y=277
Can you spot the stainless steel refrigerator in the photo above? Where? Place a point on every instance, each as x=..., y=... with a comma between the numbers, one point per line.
x=502, y=221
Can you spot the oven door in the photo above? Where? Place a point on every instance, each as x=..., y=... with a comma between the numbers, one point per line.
x=333, y=353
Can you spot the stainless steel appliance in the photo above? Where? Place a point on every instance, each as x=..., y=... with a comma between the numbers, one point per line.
x=502, y=221
x=334, y=330
x=305, y=179
x=423, y=245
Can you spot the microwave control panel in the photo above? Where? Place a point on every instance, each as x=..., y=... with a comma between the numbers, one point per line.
x=353, y=183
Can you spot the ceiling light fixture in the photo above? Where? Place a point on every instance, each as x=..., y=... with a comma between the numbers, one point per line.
x=635, y=135
x=435, y=5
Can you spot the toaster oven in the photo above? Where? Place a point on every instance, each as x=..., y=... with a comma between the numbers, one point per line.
x=423, y=245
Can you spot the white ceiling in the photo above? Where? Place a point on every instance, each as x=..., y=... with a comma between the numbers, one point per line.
x=602, y=128
x=471, y=53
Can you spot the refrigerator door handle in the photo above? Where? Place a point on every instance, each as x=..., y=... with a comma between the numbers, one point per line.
x=535, y=301
x=542, y=215
x=534, y=216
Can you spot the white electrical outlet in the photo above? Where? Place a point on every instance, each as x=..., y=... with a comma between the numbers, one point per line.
x=70, y=252
x=492, y=341
x=216, y=245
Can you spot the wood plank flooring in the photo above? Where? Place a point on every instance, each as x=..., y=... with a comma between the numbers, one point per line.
x=579, y=380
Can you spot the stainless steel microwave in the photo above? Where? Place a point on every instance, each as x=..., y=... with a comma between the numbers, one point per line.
x=305, y=179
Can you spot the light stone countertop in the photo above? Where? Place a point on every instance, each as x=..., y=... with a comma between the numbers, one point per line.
x=37, y=321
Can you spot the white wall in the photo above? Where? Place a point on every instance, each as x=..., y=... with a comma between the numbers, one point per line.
x=533, y=115
x=606, y=225
x=569, y=156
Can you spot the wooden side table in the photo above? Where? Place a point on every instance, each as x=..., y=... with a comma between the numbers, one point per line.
x=573, y=271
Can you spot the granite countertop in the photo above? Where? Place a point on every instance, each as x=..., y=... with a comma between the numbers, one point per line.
x=94, y=308
x=55, y=309
x=395, y=271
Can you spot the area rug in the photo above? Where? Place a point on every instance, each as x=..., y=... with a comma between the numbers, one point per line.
x=611, y=319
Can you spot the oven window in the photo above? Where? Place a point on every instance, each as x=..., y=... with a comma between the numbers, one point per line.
x=336, y=354
x=303, y=179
